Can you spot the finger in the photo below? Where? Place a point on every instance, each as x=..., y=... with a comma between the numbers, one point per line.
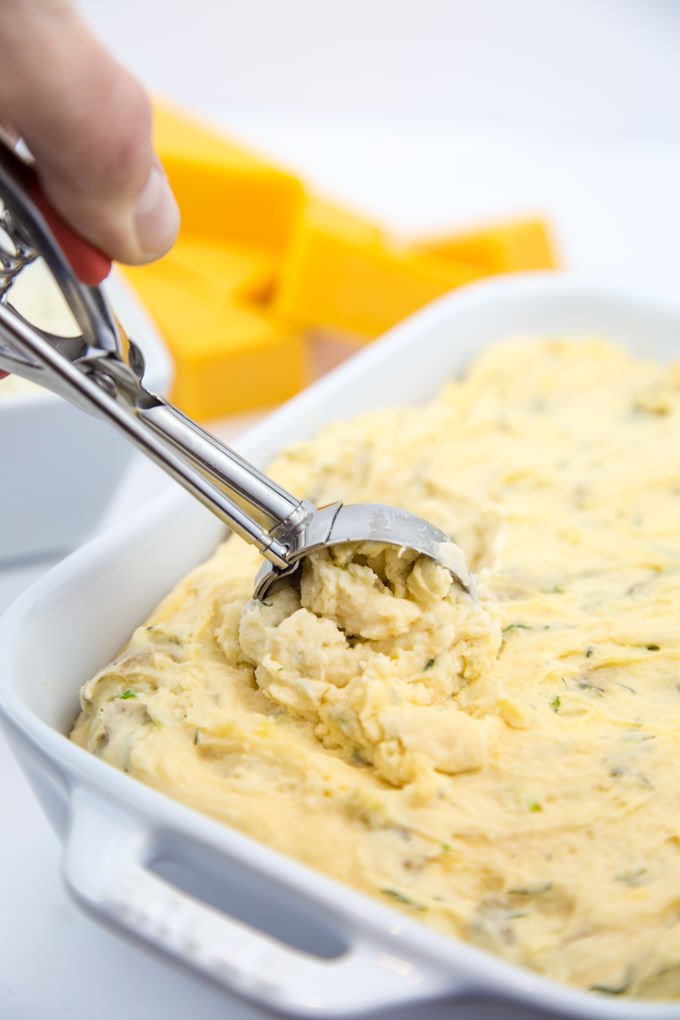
x=87, y=122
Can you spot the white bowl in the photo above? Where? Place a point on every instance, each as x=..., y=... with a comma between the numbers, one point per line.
x=60, y=467
x=261, y=925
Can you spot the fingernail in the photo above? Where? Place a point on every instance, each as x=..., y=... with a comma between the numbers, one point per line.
x=156, y=215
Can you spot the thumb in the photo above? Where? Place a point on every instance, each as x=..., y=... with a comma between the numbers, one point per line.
x=87, y=122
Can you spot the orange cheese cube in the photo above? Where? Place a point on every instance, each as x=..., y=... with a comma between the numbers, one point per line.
x=243, y=270
x=507, y=248
x=335, y=219
x=228, y=356
x=210, y=270
x=233, y=362
x=224, y=269
x=340, y=272
x=222, y=188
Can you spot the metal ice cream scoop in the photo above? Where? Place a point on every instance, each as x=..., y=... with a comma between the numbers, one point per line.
x=100, y=371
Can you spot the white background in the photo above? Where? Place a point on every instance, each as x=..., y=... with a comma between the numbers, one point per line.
x=430, y=115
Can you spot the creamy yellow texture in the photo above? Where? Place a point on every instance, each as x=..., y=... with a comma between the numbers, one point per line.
x=37, y=297
x=506, y=772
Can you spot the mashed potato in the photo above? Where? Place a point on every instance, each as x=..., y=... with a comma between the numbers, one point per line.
x=37, y=297
x=504, y=771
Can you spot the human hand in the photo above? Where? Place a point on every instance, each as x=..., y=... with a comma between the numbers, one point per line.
x=87, y=122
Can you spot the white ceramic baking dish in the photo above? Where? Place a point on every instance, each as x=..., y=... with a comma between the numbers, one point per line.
x=60, y=470
x=261, y=925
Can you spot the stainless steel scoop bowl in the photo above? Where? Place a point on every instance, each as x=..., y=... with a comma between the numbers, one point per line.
x=337, y=524
x=100, y=371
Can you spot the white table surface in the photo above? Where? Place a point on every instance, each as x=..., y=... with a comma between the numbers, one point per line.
x=617, y=216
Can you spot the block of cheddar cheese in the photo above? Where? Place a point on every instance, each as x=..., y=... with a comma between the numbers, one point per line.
x=342, y=272
x=225, y=269
x=221, y=187
x=234, y=361
x=208, y=271
x=501, y=248
x=229, y=356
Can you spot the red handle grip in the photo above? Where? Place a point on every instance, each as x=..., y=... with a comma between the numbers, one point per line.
x=89, y=264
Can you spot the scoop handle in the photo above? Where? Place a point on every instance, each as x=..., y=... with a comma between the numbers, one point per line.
x=106, y=866
x=20, y=183
x=88, y=264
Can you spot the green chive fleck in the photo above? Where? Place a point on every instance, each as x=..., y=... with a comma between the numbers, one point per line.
x=615, y=989
x=429, y=664
x=555, y=703
x=531, y=890
x=585, y=685
x=626, y=687
x=127, y=694
x=634, y=878
x=401, y=898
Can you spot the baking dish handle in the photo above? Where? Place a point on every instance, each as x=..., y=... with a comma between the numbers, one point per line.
x=105, y=869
